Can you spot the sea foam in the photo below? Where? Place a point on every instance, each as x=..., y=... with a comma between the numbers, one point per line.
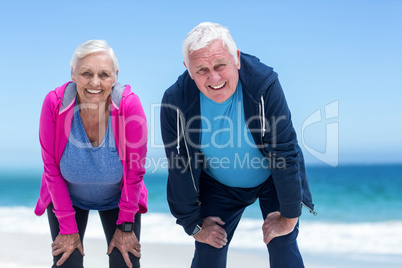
x=381, y=238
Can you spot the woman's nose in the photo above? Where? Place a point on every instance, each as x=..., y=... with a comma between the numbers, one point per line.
x=95, y=81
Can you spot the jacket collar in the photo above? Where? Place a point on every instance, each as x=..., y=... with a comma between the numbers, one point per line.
x=255, y=78
x=70, y=93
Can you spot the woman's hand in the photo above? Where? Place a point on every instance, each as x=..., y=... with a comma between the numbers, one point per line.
x=125, y=242
x=66, y=244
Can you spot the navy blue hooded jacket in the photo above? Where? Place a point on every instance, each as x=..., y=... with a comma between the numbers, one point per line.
x=269, y=122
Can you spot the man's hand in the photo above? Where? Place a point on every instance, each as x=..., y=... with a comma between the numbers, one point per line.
x=66, y=244
x=212, y=233
x=125, y=242
x=275, y=225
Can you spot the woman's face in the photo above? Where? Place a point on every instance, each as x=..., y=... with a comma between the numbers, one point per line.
x=95, y=76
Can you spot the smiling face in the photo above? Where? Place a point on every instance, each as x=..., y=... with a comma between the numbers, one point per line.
x=95, y=77
x=214, y=71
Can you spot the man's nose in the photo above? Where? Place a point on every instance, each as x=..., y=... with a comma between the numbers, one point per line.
x=214, y=76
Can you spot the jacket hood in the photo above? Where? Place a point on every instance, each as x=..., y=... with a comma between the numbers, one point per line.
x=70, y=94
x=253, y=73
x=255, y=76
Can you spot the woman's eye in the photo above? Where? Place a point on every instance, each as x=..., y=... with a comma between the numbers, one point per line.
x=104, y=75
x=86, y=74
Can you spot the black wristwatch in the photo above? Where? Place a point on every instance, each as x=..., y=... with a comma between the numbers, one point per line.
x=197, y=229
x=126, y=227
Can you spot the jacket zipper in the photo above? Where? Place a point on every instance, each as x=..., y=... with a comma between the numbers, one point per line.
x=189, y=160
x=121, y=112
x=261, y=109
x=311, y=211
x=57, y=138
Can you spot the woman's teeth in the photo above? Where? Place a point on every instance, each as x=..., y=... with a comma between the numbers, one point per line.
x=94, y=91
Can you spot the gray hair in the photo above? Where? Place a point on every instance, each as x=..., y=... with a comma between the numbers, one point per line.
x=203, y=35
x=93, y=46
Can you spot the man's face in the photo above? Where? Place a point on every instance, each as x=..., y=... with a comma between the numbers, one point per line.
x=214, y=71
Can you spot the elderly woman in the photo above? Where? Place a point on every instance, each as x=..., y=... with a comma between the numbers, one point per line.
x=93, y=137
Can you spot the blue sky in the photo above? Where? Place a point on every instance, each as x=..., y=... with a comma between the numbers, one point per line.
x=343, y=55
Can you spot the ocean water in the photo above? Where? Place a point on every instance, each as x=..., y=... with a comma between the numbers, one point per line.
x=359, y=210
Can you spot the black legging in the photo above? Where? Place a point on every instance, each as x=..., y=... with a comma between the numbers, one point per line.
x=108, y=219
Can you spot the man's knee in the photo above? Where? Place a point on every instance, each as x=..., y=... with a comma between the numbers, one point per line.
x=284, y=242
x=208, y=256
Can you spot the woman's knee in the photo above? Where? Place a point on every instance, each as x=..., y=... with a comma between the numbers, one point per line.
x=76, y=260
x=116, y=260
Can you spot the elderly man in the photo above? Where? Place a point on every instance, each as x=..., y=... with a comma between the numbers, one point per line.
x=229, y=141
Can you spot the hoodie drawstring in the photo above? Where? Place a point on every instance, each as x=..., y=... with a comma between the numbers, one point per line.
x=262, y=115
x=178, y=131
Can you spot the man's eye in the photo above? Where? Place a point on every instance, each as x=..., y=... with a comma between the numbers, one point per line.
x=202, y=71
x=220, y=67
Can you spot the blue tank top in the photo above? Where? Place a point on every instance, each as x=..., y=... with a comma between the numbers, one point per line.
x=93, y=174
x=231, y=155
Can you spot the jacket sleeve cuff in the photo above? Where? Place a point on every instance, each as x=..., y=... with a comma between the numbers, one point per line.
x=190, y=227
x=125, y=216
x=68, y=224
x=291, y=210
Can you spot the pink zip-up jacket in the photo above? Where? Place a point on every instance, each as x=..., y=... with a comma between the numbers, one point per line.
x=130, y=134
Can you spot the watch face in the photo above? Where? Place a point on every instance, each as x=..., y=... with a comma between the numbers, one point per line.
x=127, y=227
x=197, y=229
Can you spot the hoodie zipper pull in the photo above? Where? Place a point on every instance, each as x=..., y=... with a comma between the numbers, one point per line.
x=311, y=211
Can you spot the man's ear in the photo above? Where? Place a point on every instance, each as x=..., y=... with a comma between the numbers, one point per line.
x=188, y=69
x=238, y=60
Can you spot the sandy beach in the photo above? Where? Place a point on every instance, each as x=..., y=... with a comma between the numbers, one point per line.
x=37, y=254
x=35, y=249
x=26, y=243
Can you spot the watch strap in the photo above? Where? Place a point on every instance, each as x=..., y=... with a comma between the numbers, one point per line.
x=126, y=227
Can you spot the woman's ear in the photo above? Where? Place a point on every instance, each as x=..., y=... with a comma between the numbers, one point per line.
x=115, y=77
x=72, y=75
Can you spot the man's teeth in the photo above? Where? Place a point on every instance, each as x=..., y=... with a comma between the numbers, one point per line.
x=94, y=91
x=218, y=87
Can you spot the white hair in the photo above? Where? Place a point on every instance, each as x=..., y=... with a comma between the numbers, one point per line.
x=93, y=46
x=203, y=35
